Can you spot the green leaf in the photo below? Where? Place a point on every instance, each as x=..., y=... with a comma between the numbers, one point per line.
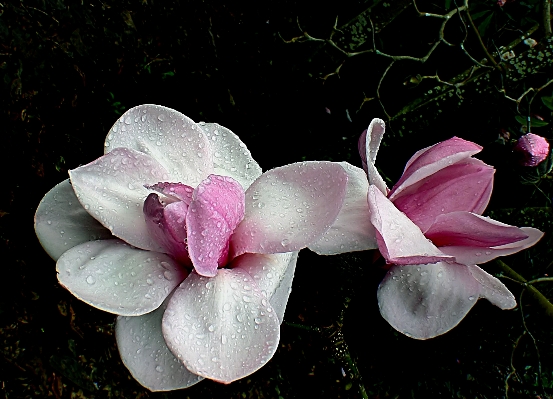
x=447, y=4
x=533, y=121
x=484, y=25
x=548, y=102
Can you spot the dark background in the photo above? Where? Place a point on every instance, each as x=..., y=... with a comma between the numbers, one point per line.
x=70, y=68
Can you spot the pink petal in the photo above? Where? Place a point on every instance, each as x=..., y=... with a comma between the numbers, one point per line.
x=112, y=190
x=167, y=225
x=146, y=355
x=352, y=230
x=373, y=137
x=62, y=223
x=216, y=210
x=477, y=255
x=273, y=274
x=432, y=159
x=400, y=241
x=532, y=148
x=468, y=229
x=113, y=276
x=463, y=186
x=223, y=327
x=492, y=289
x=424, y=301
x=289, y=207
x=169, y=137
x=230, y=155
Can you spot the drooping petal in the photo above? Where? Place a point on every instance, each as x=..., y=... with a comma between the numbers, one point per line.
x=477, y=255
x=273, y=274
x=168, y=136
x=215, y=211
x=62, y=223
x=112, y=190
x=117, y=278
x=400, y=241
x=230, y=155
x=373, y=137
x=221, y=327
x=492, y=289
x=146, y=355
x=463, y=186
x=289, y=207
x=468, y=229
x=167, y=225
x=352, y=230
x=432, y=159
x=424, y=301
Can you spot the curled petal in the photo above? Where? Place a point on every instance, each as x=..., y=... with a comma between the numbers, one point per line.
x=62, y=223
x=471, y=255
x=168, y=136
x=369, y=143
x=215, y=211
x=176, y=191
x=424, y=301
x=146, y=355
x=167, y=224
x=463, y=186
x=230, y=155
x=468, y=229
x=400, y=241
x=112, y=190
x=352, y=230
x=289, y=207
x=117, y=278
x=492, y=289
x=432, y=159
x=273, y=274
x=222, y=328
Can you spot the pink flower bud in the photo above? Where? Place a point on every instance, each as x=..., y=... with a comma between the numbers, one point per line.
x=532, y=148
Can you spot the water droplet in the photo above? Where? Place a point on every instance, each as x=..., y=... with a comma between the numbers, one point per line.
x=90, y=280
x=471, y=298
x=159, y=369
x=226, y=306
x=211, y=328
x=149, y=281
x=168, y=275
x=223, y=339
x=285, y=242
x=440, y=274
x=161, y=117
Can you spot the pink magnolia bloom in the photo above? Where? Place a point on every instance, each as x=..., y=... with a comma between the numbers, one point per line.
x=430, y=230
x=532, y=148
x=176, y=230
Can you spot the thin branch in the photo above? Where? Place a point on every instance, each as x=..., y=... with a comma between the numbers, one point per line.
x=488, y=55
x=533, y=339
x=547, y=18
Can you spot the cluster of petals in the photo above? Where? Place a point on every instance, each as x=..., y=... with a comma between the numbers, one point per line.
x=430, y=231
x=533, y=149
x=176, y=230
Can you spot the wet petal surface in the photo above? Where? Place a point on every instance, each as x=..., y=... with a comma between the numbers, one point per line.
x=221, y=327
x=62, y=223
x=146, y=355
x=169, y=137
x=352, y=230
x=112, y=190
x=117, y=278
x=289, y=207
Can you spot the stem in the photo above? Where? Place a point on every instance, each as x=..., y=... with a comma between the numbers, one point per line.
x=537, y=295
x=547, y=18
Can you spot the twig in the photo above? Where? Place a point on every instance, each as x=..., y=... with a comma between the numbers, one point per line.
x=531, y=336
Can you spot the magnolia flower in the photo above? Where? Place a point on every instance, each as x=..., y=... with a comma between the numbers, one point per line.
x=533, y=149
x=430, y=230
x=176, y=230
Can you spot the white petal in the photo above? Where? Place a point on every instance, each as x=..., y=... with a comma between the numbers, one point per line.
x=352, y=230
x=61, y=222
x=221, y=327
x=375, y=131
x=113, y=276
x=146, y=355
x=231, y=157
x=273, y=274
x=112, y=190
x=168, y=136
x=492, y=289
